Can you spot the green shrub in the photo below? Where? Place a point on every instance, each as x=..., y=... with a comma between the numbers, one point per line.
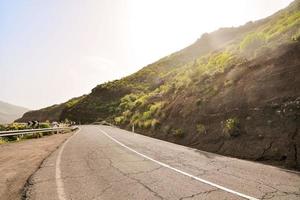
x=44, y=125
x=252, y=41
x=140, y=124
x=27, y=136
x=147, y=124
x=119, y=120
x=142, y=100
x=74, y=101
x=136, y=116
x=130, y=101
x=15, y=126
x=284, y=23
x=127, y=114
x=231, y=127
x=155, y=107
x=48, y=133
x=296, y=36
x=2, y=140
x=201, y=129
x=178, y=133
x=32, y=136
x=146, y=115
x=2, y=127
x=218, y=62
x=155, y=123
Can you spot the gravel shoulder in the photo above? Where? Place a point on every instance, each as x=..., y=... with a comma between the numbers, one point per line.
x=18, y=161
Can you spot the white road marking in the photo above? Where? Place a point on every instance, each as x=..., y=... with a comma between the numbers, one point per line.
x=59, y=182
x=181, y=172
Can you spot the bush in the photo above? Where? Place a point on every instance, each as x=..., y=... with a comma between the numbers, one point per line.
x=154, y=123
x=44, y=125
x=296, y=36
x=127, y=102
x=156, y=107
x=136, y=117
x=146, y=115
x=140, y=124
x=11, y=138
x=147, y=124
x=15, y=126
x=2, y=140
x=220, y=60
x=119, y=120
x=252, y=42
x=48, y=133
x=201, y=129
x=231, y=127
x=2, y=127
x=74, y=101
x=127, y=113
x=281, y=25
x=32, y=136
x=178, y=133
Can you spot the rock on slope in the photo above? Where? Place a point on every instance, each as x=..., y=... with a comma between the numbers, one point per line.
x=234, y=91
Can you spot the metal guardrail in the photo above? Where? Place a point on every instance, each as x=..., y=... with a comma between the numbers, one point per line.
x=30, y=131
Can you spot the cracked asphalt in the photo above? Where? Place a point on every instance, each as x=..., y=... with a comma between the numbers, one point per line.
x=93, y=166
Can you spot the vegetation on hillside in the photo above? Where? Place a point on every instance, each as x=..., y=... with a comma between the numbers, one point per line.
x=214, y=88
x=127, y=101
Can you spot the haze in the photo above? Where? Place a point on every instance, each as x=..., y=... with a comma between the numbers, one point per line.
x=54, y=50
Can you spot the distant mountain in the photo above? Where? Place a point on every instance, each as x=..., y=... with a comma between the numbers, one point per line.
x=9, y=112
x=234, y=91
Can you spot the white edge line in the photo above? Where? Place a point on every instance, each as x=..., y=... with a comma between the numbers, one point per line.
x=181, y=172
x=58, y=179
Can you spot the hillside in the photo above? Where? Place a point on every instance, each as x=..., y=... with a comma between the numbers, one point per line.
x=51, y=113
x=9, y=112
x=234, y=91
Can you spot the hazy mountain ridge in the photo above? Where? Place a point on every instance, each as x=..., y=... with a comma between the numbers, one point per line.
x=51, y=113
x=234, y=91
x=9, y=112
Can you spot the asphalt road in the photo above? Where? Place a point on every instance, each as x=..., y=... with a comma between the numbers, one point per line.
x=101, y=162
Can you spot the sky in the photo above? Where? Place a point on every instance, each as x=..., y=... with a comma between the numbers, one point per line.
x=53, y=50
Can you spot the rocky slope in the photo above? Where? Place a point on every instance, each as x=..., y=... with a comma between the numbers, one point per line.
x=234, y=91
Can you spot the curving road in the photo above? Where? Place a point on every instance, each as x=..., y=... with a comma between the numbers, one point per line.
x=101, y=162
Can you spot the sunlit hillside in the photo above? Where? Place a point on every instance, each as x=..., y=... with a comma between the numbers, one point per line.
x=234, y=91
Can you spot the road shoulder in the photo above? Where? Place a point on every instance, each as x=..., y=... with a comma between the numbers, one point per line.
x=18, y=161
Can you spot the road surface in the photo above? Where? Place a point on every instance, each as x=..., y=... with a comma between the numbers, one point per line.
x=101, y=162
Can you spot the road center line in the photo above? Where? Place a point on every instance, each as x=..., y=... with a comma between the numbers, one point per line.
x=181, y=172
x=59, y=181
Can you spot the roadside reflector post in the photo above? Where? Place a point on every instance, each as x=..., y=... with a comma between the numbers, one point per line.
x=133, y=128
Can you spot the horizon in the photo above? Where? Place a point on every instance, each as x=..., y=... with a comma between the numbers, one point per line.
x=92, y=50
